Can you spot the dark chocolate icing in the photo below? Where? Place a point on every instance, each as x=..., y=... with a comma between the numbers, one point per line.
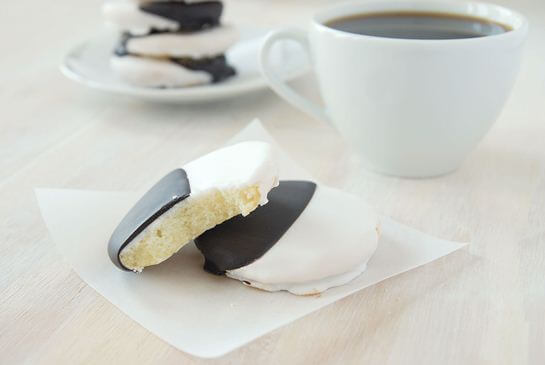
x=189, y=16
x=121, y=48
x=170, y=190
x=217, y=66
x=242, y=240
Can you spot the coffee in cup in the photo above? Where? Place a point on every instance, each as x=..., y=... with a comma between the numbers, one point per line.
x=411, y=86
x=418, y=25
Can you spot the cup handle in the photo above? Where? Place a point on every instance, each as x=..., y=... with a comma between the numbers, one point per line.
x=279, y=85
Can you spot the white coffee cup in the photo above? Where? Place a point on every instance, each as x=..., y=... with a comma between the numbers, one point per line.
x=409, y=107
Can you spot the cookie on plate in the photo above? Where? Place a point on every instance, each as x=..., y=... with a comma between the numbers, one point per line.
x=169, y=44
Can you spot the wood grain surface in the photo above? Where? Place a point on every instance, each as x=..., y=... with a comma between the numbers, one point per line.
x=484, y=304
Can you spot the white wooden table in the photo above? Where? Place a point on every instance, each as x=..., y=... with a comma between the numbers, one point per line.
x=485, y=304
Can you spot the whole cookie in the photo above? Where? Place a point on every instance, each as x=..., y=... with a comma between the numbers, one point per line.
x=206, y=43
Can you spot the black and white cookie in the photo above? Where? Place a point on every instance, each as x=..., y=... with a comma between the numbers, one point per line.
x=295, y=236
x=171, y=72
x=170, y=43
x=141, y=18
x=202, y=44
x=307, y=239
x=203, y=193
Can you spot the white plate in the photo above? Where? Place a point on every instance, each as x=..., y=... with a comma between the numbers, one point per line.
x=88, y=64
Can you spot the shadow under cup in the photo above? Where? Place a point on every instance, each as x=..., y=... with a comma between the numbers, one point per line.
x=410, y=107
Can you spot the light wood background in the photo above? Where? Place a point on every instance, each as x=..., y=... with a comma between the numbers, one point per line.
x=485, y=304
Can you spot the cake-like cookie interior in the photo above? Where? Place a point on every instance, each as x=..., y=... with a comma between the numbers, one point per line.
x=185, y=221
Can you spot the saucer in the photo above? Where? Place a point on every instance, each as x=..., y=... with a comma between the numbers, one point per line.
x=88, y=64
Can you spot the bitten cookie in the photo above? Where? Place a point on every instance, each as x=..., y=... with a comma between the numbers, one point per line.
x=185, y=203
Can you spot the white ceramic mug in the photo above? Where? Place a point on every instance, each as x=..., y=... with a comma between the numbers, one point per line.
x=410, y=107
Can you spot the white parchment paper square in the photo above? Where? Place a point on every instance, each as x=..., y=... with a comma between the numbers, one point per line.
x=196, y=312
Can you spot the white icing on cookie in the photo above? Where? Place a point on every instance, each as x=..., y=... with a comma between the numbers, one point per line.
x=308, y=288
x=127, y=16
x=327, y=246
x=201, y=44
x=234, y=167
x=150, y=72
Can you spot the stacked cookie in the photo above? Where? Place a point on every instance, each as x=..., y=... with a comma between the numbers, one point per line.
x=170, y=43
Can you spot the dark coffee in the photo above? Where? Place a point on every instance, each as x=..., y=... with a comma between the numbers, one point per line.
x=418, y=25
